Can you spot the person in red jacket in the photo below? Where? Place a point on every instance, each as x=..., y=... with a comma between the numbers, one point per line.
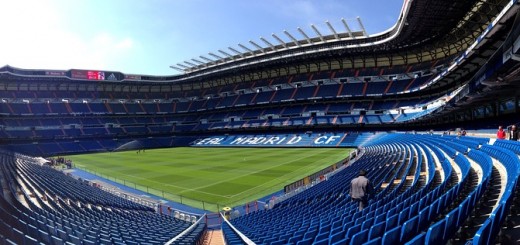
x=501, y=134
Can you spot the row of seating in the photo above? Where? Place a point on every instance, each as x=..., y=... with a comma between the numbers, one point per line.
x=160, y=110
x=44, y=205
x=433, y=186
x=377, y=81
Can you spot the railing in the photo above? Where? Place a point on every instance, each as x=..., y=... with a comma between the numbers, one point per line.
x=244, y=238
x=344, y=163
x=204, y=205
x=189, y=229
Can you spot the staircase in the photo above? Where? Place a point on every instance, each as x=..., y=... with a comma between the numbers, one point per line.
x=214, y=237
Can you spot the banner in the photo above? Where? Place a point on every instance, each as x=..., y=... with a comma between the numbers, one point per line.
x=285, y=140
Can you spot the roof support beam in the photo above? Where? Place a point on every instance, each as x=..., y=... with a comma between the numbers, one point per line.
x=216, y=56
x=268, y=43
x=176, y=68
x=332, y=30
x=347, y=28
x=279, y=40
x=206, y=59
x=226, y=54
x=236, y=51
x=198, y=61
x=362, y=26
x=318, y=33
x=257, y=46
x=189, y=63
x=304, y=35
x=246, y=48
x=183, y=66
x=292, y=38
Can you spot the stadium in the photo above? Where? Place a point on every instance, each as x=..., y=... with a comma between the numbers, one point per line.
x=259, y=145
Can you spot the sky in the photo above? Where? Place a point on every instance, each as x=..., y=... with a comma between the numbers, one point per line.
x=147, y=36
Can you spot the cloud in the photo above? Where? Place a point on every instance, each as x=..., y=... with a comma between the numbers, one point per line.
x=35, y=38
x=126, y=43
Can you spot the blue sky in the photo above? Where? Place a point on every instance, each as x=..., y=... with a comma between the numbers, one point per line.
x=147, y=36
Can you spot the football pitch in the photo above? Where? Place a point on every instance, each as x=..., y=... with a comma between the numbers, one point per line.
x=210, y=178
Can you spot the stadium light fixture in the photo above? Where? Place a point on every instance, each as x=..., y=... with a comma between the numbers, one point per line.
x=347, y=28
x=65, y=100
x=84, y=101
x=25, y=101
x=362, y=26
x=292, y=38
x=4, y=100
x=332, y=30
x=305, y=35
x=318, y=33
x=268, y=43
x=279, y=40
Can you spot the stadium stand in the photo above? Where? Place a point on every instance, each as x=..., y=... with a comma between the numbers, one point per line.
x=444, y=65
x=42, y=204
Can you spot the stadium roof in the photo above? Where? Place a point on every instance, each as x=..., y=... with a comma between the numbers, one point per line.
x=425, y=30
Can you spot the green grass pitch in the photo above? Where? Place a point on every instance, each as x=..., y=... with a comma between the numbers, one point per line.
x=210, y=178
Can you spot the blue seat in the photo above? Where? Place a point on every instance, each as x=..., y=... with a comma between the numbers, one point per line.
x=482, y=235
x=324, y=241
x=417, y=240
x=403, y=216
x=451, y=224
x=392, y=236
x=377, y=230
x=409, y=229
x=367, y=224
x=380, y=218
x=352, y=231
x=433, y=210
x=336, y=236
x=341, y=242
x=436, y=232
x=359, y=238
x=56, y=240
x=322, y=236
x=424, y=215
x=18, y=236
x=281, y=242
x=392, y=222
x=307, y=241
x=375, y=241
x=44, y=237
x=30, y=241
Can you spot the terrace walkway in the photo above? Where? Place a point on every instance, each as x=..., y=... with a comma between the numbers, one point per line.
x=214, y=237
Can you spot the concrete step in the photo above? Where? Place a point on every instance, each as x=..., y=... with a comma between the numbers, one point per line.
x=214, y=237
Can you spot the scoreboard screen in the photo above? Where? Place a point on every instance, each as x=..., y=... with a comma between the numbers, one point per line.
x=89, y=75
x=95, y=75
